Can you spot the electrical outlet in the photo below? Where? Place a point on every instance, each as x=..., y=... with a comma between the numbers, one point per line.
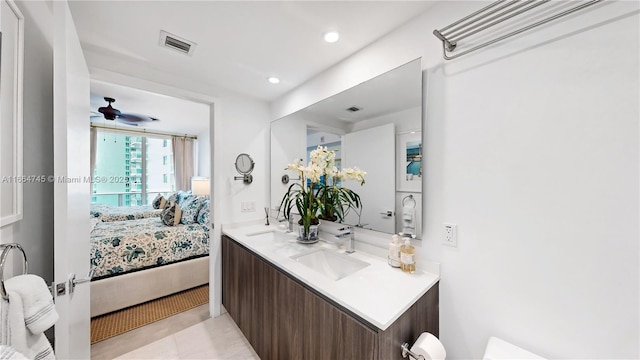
x=450, y=236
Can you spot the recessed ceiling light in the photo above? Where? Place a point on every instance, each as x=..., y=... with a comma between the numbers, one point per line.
x=331, y=36
x=274, y=80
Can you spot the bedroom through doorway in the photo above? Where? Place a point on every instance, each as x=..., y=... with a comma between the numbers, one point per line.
x=150, y=212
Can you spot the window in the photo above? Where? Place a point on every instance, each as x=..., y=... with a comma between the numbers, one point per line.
x=159, y=173
x=136, y=168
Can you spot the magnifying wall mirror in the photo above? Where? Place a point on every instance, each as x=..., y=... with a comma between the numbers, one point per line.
x=375, y=126
x=244, y=165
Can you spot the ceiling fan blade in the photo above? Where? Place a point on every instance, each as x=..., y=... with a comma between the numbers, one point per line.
x=126, y=122
x=135, y=117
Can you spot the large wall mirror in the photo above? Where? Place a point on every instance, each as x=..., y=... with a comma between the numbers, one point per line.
x=375, y=126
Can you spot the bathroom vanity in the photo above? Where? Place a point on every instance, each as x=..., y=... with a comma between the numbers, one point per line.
x=294, y=301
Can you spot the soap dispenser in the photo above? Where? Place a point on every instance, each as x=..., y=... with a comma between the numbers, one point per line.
x=394, y=251
x=407, y=261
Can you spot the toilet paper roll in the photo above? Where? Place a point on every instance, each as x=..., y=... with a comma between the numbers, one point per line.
x=429, y=346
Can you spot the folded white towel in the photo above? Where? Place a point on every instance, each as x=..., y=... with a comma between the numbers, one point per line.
x=408, y=220
x=16, y=334
x=9, y=353
x=39, y=310
x=408, y=214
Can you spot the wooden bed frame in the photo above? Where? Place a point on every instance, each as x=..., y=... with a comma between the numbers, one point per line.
x=119, y=292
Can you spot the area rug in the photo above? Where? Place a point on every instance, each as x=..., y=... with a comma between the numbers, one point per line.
x=121, y=321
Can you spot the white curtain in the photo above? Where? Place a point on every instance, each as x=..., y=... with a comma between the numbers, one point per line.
x=183, y=162
x=93, y=150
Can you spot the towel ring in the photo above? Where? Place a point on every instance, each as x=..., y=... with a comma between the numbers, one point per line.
x=5, y=252
x=409, y=197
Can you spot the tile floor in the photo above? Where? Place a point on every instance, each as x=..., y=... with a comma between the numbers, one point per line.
x=210, y=338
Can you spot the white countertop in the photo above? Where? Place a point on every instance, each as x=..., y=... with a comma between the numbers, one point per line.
x=377, y=293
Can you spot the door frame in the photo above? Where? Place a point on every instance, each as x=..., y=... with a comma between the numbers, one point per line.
x=215, y=259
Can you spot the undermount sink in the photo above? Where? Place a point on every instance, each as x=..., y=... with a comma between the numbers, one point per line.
x=330, y=263
x=260, y=232
x=276, y=238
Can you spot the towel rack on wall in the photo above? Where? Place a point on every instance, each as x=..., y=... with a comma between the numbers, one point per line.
x=408, y=197
x=6, y=249
x=491, y=15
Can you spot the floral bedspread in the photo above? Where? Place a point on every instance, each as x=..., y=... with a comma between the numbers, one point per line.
x=118, y=247
x=107, y=212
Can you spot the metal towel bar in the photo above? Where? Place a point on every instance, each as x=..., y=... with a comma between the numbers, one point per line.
x=6, y=249
x=408, y=353
x=491, y=15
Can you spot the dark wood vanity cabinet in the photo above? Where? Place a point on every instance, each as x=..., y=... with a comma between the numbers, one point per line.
x=284, y=319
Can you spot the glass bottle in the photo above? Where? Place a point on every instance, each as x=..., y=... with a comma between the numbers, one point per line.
x=407, y=261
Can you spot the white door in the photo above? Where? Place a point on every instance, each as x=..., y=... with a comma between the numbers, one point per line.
x=71, y=188
x=373, y=150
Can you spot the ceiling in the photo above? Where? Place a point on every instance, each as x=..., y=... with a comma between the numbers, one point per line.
x=175, y=115
x=239, y=43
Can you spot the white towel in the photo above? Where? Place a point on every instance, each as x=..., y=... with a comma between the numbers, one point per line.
x=407, y=214
x=39, y=310
x=15, y=333
x=408, y=220
x=9, y=353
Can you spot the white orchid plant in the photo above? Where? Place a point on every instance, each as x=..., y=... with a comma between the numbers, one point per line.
x=319, y=194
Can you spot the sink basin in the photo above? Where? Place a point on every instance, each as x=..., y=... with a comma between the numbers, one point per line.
x=330, y=263
x=270, y=236
x=260, y=232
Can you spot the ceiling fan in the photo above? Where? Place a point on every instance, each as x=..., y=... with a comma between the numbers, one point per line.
x=111, y=113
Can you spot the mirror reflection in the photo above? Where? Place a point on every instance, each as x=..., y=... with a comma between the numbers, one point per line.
x=375, y=126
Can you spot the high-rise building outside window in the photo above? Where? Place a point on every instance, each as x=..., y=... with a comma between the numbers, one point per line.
x=130, y=179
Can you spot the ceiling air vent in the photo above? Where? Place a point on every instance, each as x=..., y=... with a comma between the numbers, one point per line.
x=353, y=109
x=177, y=43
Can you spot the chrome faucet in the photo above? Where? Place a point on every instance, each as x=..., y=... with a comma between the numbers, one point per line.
x=290, y=223
x=349, y=232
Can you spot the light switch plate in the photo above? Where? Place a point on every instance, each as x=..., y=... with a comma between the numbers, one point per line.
x=248, y=206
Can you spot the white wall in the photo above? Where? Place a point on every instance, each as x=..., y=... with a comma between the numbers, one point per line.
x=239, y=126
x=243, y=128
x=35, y=231
x=532, y=150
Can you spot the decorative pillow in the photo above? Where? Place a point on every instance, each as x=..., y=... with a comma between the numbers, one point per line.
x=159, y=202
x=190, y=207
x=203, y=215
x=171, y=215
x=173, y=198
x=181, y=196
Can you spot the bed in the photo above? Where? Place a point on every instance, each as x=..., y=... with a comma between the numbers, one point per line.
x=135, y=261
x=106, y=212
x=118, y=247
